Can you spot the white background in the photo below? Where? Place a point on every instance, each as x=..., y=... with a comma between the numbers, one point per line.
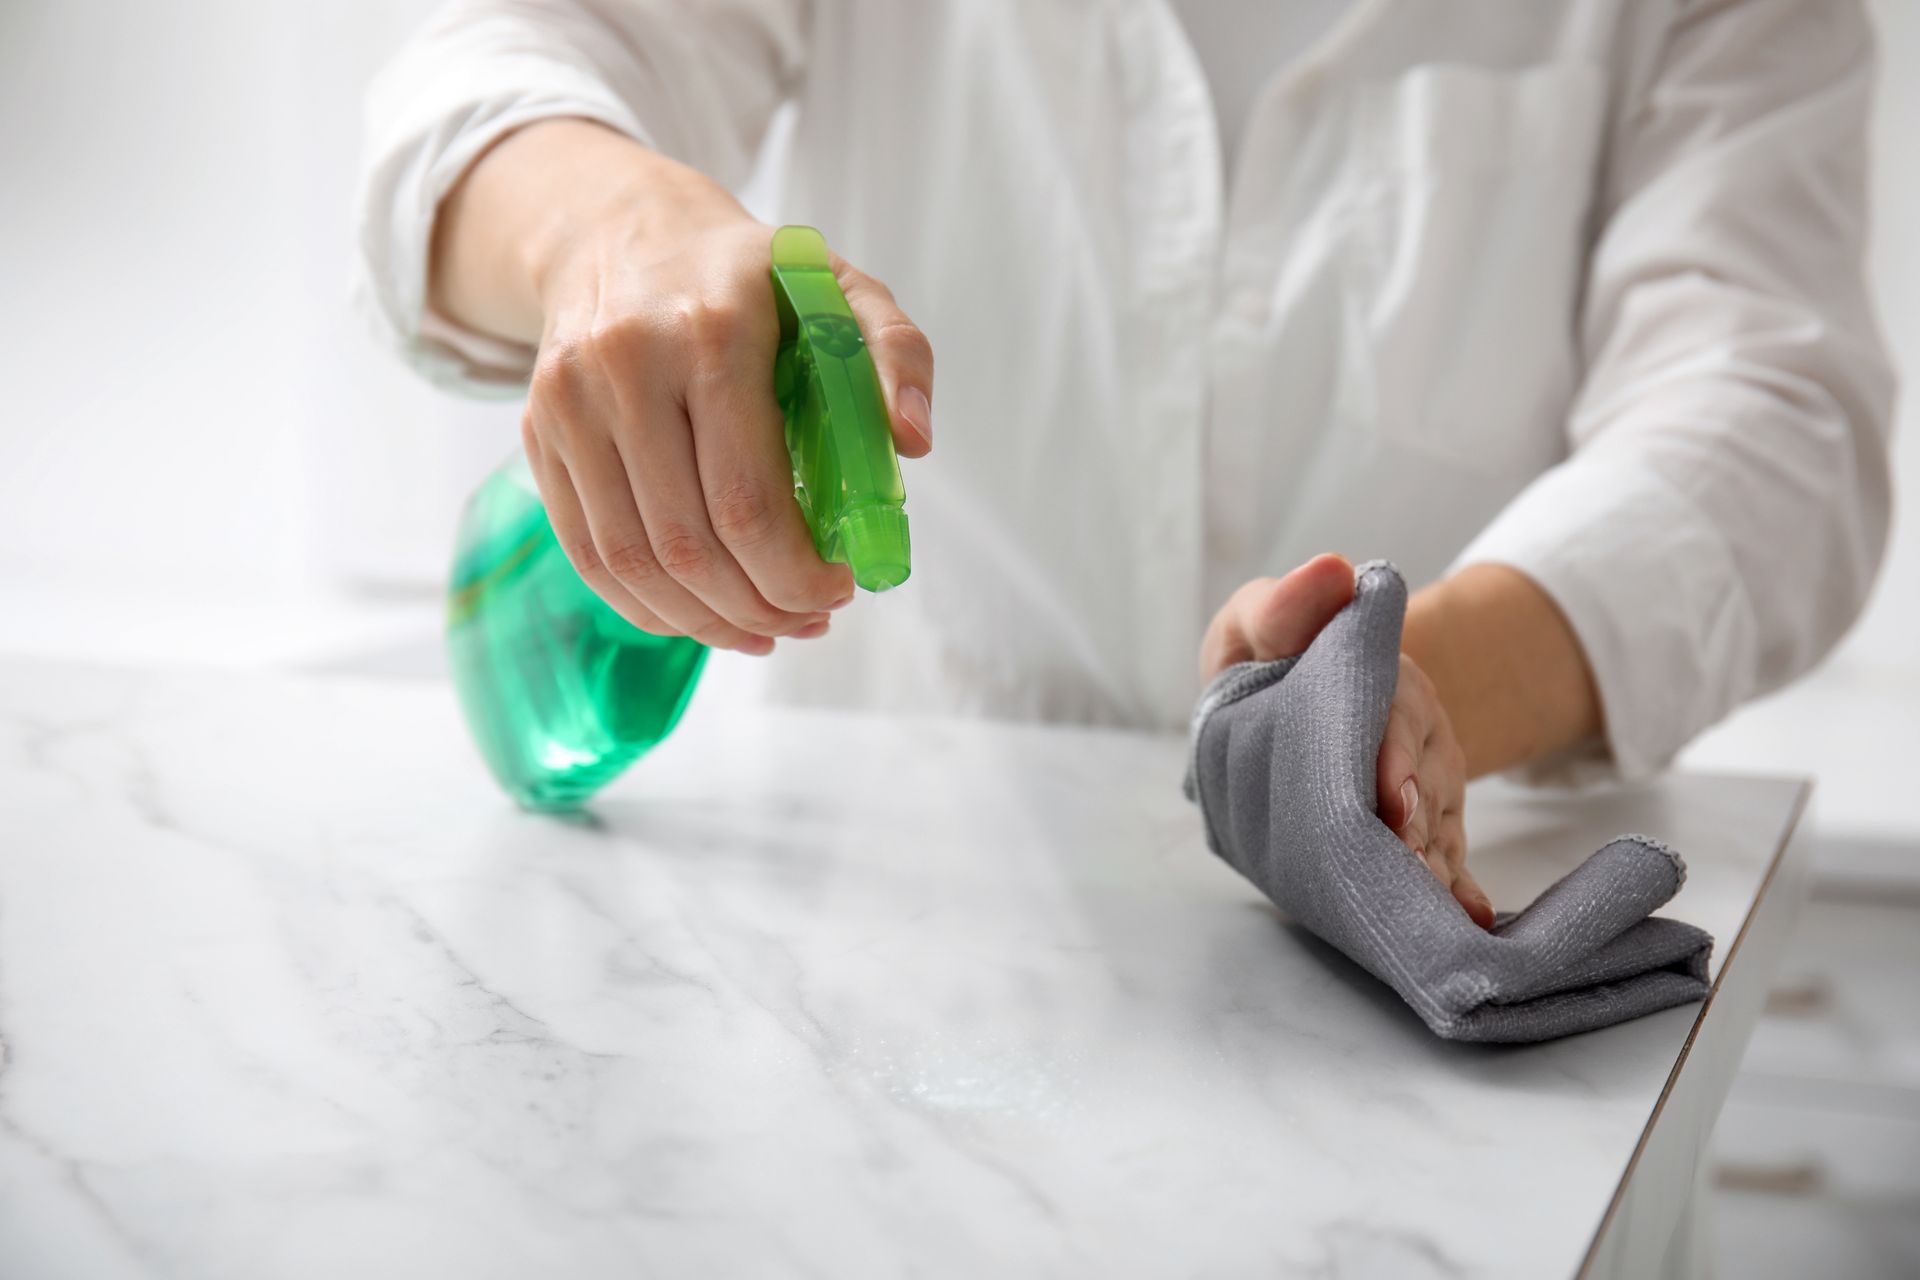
x=206, y=459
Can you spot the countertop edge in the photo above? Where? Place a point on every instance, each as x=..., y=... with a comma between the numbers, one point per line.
x=1792, y=841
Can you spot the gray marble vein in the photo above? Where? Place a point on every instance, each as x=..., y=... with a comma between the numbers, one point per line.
x=286, y=990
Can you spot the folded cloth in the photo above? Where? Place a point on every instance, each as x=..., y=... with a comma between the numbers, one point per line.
x=1282, y=768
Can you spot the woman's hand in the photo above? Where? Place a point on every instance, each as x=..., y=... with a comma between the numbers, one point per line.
x=1421, y=778
x=651, y=425
x=1421, y=774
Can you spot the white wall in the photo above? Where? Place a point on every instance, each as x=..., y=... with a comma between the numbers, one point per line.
x=188, y=393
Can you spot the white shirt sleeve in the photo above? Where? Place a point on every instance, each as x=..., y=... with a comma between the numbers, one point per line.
x=698, y=82
x=1725, y=503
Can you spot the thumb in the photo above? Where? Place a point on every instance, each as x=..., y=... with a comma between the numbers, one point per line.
x=901, y=355
x=1277, y=617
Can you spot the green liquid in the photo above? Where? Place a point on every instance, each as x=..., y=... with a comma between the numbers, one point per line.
x=561, y=692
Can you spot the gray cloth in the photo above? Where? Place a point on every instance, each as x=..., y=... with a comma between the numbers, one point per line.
x=1283, y=771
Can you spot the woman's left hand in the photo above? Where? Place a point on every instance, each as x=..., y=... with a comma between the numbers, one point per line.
x=1421, y=774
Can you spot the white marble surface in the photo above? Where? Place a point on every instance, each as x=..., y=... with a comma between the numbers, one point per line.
x=287, y=990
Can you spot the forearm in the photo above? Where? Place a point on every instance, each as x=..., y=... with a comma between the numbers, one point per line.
x=1509, y=670
x=538, y=195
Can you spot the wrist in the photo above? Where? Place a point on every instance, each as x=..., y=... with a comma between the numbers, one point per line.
x=1424, y=634
x=628, y=204
x=546, y=203
x=1507, y=667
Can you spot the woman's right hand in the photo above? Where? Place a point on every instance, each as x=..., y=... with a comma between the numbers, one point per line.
x=651, y=424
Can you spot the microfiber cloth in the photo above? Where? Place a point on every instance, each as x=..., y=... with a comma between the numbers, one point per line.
x=1282, y=768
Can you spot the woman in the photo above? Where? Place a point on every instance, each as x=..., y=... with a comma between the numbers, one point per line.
x=1559, y=306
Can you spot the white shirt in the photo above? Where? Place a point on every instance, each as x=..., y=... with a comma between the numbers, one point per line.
x=1572, y=286
x=1243, y=46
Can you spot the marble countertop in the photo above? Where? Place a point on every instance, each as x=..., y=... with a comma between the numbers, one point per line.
x=287, y=990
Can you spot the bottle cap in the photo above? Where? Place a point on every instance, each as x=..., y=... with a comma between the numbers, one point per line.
x=874, y=541
x=846, y=473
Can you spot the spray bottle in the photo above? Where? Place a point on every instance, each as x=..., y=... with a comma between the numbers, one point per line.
x=561, y=693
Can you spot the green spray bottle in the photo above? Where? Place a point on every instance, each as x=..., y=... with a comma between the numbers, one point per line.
x=562, y=693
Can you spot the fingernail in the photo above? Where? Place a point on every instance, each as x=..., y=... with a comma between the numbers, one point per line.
x=842, y=602
x=757, y=646
x=918, y=411
x=1409, y=800
x=812, y=631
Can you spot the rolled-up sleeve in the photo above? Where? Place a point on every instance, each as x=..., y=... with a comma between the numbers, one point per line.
x=1724, y=504
x=698, y=82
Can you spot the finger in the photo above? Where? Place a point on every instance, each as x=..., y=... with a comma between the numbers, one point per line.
x=1412, y=808
x=1399, y=791
x=1449, y=842
x=746, y=477
x=1277, y=617
x=1283, y=619
x=1443, y=857
x=1416, y=833
x=1404, y=750
x=1448, y=858
x=576, y=539
x=567, y=393
x=1468, y=893
x=902, y=357
x=1443, y=760
x=625, y=549
x=656, y=454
